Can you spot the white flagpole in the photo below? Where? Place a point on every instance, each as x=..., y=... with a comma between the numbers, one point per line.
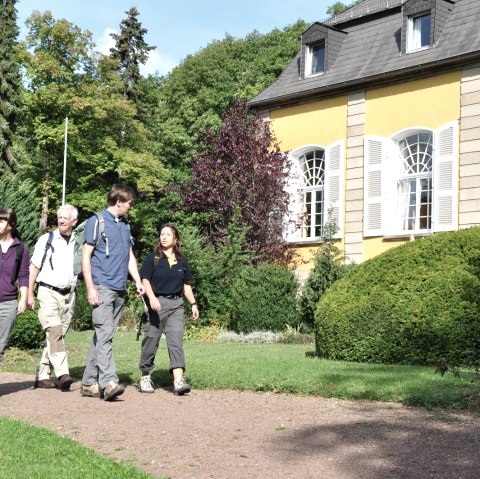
x=65, y=161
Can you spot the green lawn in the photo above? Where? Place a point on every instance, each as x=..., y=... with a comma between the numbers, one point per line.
x=277, y=367
x=28, y=452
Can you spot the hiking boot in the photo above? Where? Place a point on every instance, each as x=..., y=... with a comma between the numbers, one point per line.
x=92, y=391
x=180, y=387
x=113, y=390
x=146, y=385
x=64, y=382
x=43, y=383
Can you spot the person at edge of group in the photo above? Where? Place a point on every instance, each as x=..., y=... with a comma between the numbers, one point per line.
x=13, y=276
x=166, y=277
x=51, y=266
x=105, y=267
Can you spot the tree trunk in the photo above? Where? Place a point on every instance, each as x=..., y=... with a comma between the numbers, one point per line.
x=44, y=214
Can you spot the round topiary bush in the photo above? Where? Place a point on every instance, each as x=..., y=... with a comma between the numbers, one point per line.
x=264, y=299
x=415, y=304
x=27, y=332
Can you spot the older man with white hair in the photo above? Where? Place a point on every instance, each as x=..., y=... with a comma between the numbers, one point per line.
x=51, y=266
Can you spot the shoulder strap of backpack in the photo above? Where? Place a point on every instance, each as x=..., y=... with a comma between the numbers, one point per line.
x=101, y=228
x=18, y=260
x=48, y=246
x=101, y=232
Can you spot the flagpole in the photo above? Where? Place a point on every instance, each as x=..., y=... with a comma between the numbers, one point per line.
x=65, y=161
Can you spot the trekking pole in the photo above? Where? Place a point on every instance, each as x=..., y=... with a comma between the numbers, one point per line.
x=143, y=317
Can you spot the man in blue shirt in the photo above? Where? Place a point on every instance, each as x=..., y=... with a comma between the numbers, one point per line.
x=105, y=265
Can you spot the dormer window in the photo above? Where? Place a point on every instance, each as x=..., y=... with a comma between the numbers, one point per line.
x=320, y=47
x=419, y=31
x=316, y=59
x=423, y=23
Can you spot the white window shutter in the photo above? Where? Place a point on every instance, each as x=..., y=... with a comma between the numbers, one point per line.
x=334, y=186
x=374, y=154
x=445, y=178
x=391, y=173
x=292, y=228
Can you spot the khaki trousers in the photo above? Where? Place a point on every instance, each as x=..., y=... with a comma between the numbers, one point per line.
x=55, y=315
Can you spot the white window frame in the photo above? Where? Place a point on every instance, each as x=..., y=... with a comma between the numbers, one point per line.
x=414, y=37
x=309, y=58
x=382, y=175
x=333, y=192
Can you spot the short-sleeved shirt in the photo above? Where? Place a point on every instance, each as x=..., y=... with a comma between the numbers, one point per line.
x=166, y=279
x=57, y=269
x=111, y=256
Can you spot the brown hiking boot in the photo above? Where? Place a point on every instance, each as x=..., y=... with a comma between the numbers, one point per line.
x=113, y=390
x=64, y=382
x=92, y=391
x=43, y=383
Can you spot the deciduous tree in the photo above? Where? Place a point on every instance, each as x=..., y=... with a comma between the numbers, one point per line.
x=106, y=142
x=241, y=168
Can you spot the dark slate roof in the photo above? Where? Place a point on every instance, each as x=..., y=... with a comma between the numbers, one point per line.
x=371, y=52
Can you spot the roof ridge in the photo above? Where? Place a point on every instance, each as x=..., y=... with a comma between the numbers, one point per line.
x=361, y=9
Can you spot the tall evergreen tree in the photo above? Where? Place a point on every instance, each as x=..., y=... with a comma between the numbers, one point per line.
x=130, y=51
x=10, y=81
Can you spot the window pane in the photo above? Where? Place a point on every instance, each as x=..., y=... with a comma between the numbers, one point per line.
x=313, y=167
x=420, y=32
x=318, y=59
x=415, y=188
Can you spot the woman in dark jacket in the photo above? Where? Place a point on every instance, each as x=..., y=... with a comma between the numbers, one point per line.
x=166, y=278
x=14, y=260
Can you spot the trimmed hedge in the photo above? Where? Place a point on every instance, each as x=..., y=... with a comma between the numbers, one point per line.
x=27, y=332
x=415, y=304
x=264, y=299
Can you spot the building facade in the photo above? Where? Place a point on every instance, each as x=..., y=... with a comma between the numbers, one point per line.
x=380, y=113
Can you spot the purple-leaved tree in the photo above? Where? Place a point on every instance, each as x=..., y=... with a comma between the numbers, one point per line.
x=241, y=172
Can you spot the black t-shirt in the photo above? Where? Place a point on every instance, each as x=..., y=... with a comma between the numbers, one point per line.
x=163, y=278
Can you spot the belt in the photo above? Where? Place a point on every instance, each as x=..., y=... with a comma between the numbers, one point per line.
x=169, y=296
x=62, y=291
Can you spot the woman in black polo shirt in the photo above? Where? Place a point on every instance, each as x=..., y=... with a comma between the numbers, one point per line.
x=166, y=278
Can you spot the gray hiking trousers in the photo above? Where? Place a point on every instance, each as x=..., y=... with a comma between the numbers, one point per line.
x=170, y=320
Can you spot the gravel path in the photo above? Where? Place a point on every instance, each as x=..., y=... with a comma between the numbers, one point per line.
x=234, y=435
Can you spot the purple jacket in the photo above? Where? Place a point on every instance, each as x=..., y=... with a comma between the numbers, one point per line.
x=8, y=288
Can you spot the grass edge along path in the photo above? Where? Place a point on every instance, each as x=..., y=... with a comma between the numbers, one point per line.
x=280, y=368
x=29, y=451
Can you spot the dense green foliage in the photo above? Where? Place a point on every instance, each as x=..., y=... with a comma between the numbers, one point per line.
x=22, y=196
x=10, y=80
x=82, y=315
x=214, y=269
x=415, y=304
x=264, y=298
x=203, y=86
x=328, y=267
x=27, y=332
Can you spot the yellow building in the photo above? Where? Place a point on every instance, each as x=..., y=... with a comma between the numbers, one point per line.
x=380, y=114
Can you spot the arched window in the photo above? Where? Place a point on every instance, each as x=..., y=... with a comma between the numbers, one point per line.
x=312, y=166
x=411, y=182
x=415, y=182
